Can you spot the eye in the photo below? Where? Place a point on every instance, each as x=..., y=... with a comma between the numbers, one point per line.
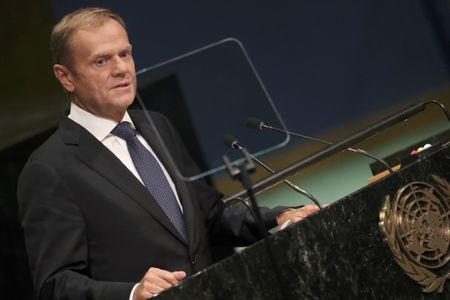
x=100, y=61
x=125, y=54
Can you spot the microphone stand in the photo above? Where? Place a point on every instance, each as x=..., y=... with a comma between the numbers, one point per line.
x=233, y=143
x=241, y=172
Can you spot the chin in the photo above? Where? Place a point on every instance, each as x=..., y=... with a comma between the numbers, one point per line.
x=125, y=101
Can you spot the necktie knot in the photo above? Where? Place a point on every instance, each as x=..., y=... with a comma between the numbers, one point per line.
x=124, y=131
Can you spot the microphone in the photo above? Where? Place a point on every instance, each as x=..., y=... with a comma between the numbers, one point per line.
x=233, y=143
x=255, y=123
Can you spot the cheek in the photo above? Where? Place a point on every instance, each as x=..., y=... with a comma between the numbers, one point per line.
x=99, y=84
x=95, y=89
x=131, y=64
x=93, y=81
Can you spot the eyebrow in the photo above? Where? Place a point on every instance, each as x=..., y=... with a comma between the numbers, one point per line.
x=129, y=47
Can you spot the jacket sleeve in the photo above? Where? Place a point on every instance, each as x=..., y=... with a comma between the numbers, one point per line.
x=56, y=241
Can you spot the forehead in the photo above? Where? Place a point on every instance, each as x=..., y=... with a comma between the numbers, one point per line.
x=100, y=37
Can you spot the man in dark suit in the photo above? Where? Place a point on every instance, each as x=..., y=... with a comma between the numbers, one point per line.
x=95, y=225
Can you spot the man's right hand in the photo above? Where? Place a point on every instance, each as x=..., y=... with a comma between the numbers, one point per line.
x=155, y=281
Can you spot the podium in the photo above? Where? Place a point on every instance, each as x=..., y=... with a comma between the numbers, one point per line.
x=389, y=240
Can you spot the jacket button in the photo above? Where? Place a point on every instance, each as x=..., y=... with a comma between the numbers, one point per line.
x=193, y=261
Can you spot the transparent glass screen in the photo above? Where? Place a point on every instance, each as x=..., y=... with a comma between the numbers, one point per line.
x=207, y=94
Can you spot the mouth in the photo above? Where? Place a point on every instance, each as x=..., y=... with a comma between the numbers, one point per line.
x=121, y=85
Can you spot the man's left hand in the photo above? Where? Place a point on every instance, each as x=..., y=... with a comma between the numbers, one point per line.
x=296, y=214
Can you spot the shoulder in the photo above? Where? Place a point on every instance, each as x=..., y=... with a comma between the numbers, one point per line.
x=143, y=116
x=58, y=145
x=152, y=120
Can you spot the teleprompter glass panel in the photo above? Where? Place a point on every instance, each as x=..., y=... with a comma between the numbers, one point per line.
x=207, y=94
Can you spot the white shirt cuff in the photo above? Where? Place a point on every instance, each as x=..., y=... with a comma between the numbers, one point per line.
x=132, y=291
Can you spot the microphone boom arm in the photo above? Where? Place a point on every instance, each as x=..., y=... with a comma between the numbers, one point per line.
x=333, y=149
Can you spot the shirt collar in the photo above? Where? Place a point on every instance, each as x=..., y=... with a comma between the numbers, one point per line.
x=99, y=127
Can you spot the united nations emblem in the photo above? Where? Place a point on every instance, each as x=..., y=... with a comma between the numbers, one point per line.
x=416, y=226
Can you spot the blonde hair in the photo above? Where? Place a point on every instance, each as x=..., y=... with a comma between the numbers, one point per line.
x=63, y=30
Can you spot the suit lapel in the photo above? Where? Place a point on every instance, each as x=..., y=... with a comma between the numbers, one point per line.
x=96, y=156
x=146, y=129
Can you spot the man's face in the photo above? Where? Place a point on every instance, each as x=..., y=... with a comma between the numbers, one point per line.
x=102, y=77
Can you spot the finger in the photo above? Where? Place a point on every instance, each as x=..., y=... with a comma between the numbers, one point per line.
x=296, y=219
x=309, y=209
x=179, y=275
x=146, y=294
x=160, y=278
x=145, y=291
x=299, y=213
x=155, y=284
x=171, y=277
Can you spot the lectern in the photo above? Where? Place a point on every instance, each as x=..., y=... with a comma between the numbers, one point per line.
x=389, y=240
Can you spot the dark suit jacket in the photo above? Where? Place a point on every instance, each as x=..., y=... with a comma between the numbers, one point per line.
x=92, y=229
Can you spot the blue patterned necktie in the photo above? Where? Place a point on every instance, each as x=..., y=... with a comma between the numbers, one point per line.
x=152, y=175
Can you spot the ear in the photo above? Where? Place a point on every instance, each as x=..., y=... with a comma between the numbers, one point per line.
x=64, y=76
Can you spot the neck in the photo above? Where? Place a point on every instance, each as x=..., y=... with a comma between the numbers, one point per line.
x=115, y=115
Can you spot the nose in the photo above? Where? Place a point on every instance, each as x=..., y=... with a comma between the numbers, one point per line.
x=120, y=66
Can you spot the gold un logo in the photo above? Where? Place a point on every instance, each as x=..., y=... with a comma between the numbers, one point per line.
x=416, y=227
